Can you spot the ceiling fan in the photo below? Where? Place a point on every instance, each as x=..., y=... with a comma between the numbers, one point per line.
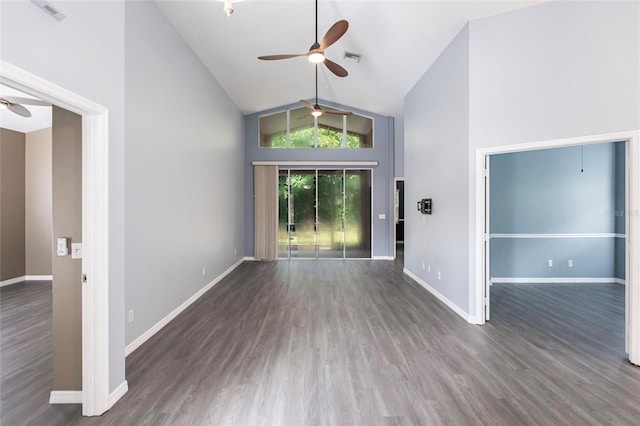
x=316, y=51
x=14, y=104
x=316, y=111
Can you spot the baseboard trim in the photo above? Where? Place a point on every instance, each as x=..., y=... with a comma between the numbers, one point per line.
x=65, y=397
x=383, y=258
x=164, y=321
x=11, y=281
x=250, y=259
x=17, y=280
x=557, y=280
x=441, y=297
x=118, y=393
x=38, y=277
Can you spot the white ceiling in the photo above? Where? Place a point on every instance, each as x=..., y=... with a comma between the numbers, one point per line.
x=398, y=41
x=40, y=115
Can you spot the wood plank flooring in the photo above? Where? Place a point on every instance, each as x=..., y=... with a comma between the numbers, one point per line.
x=359, y=343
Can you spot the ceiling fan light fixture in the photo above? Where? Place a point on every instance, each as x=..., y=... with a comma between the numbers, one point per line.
x=316, y=113
x=228, y=7
x=316, y=57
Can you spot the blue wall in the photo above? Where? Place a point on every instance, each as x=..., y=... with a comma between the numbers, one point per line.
x=382, y=152
x=545, y=192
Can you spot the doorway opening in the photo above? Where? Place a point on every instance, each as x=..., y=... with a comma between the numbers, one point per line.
x=95, y=396
x=484, y=231
x=324, y=214
x=399, y=222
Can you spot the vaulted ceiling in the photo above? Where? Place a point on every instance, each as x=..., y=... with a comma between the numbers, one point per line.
x=397, y=39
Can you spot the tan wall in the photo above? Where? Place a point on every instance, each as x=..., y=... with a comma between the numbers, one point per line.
x=67, y=222
x=38, y=196
x=12, y=204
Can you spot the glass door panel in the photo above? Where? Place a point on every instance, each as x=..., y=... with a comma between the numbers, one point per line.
x=358, y=213
x=302, y=197
x=330, y=214
x=283, y=214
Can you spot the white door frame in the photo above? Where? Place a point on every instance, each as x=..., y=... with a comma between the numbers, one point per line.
x=95, y=229
x=632, y=287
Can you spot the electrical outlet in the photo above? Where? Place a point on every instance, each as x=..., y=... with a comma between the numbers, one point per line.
x=550, y=263
x=130, y=315
x=204, y=271
x=429, y=268
x=439, y=275
x=570, y=263
x=235, y=252
x=423, y=265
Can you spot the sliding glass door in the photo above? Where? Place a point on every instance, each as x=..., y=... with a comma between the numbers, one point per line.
x=324, y=214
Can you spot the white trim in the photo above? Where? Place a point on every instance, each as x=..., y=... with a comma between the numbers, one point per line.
x=11, y=281
x=632, y=299
x=249, y=259
x=167, y=319
x=339, y=164
x=65, y=397
x=17, y=280
x=455, y=308
x=557, y=280
x=95, y=229
x=118, y=393
x=531, y=236
x=381, y=258
x=38, y=277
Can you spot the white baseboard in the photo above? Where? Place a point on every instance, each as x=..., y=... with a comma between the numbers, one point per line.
x=65, y=397
x=17, y=280
x=164, y=321
x=250, y=259
x=38, y=277
x=10, y=281
x=557, y=280
x=383, y=258
x=118, y=393
x=455, y=308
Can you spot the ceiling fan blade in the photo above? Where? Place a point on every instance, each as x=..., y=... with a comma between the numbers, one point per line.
x=25, y=101
x=307, y=104
x=335, y=68
x=18, y=109
x=336, y=31
x=277, y=57
x=336, y=112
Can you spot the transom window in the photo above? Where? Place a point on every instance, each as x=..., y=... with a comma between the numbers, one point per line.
x=296, y=128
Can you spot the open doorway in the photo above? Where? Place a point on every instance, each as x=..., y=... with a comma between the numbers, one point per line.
x=399, y=222
x=484, y=230
x=557, y=234
x=95, y=396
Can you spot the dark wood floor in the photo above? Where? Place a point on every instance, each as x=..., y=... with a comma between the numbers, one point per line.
x=356, y=342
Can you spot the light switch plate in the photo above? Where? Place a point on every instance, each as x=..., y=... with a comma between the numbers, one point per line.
x=62, y=248
x=382, y=216
x=76, y=250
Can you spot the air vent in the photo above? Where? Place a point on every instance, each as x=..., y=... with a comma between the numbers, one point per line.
x=352, y=56
x=50, y=8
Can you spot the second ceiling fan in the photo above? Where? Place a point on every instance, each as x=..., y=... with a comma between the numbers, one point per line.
x=316, y=51
x=316, y=111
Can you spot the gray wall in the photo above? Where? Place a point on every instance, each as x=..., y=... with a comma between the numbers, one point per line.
x=549, y=71
x=38, y=195
x=67, y=223
x=184, y=174
x=12, y=204
x=436, y=153
x=399, y=147
x=382, y=151
x=84, y=54
x=545, y=192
